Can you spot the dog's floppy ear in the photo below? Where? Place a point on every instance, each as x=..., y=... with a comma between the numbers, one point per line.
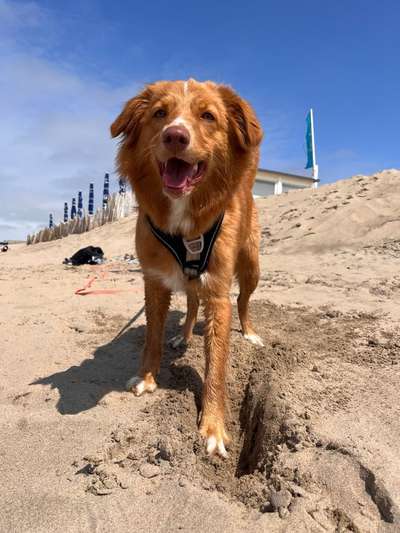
x=242, y=118
x=129, y=121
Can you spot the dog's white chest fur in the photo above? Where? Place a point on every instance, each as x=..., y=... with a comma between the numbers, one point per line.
x=179, y=218
x=174, y=281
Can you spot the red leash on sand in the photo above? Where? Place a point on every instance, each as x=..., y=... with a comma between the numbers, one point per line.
x=86, y=289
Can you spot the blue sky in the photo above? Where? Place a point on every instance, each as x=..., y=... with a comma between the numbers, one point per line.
x=67, y=67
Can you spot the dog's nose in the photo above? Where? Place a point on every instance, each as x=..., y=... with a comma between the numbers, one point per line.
x=176, y=138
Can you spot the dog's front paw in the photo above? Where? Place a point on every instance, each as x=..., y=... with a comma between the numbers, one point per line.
x=138, y=385
x=254, y=339
x=216, y=438
x=176, y=341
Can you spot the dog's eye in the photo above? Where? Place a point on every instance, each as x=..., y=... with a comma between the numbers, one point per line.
x=208, y=116
x=160, y=113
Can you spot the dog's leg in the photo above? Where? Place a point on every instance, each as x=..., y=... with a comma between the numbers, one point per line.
x=157, y=300
x=191, y=317
x=248, y=273
x=218, y=313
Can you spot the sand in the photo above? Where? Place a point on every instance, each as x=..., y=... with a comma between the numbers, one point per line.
x=314, y=415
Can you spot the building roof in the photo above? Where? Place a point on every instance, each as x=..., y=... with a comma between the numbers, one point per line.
x=277, y=173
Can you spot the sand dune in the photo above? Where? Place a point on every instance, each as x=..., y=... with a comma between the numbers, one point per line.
x=315, y=414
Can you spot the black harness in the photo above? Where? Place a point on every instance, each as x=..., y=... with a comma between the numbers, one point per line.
x=193, y=255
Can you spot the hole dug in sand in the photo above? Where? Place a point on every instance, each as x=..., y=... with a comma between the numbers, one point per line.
x=276, y=461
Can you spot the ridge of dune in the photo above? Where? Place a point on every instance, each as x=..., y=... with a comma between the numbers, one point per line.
x=349, y=212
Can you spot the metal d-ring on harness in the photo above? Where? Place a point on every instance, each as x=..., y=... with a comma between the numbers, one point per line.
x=193, y=255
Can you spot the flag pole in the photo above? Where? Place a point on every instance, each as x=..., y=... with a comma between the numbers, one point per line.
x=314, y=158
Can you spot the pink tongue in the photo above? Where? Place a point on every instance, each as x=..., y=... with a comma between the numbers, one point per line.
x=177, y=173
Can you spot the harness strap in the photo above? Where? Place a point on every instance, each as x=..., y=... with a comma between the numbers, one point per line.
x=192, y=255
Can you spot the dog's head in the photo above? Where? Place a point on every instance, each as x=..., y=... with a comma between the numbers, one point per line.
x=187, y=132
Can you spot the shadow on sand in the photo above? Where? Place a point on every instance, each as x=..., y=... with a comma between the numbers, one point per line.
x=82, y=387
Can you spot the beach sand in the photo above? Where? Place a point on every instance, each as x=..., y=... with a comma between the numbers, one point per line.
x=314, y=417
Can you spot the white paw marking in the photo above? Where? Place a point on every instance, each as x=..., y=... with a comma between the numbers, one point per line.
x=176, y=341
x=138, y=386
x=216, y=446
x=254, y=339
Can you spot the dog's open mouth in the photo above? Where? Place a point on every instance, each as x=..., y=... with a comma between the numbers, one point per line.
x=179, y=176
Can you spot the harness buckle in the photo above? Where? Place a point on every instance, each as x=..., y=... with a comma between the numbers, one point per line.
x=194, y=246
x=191, y=273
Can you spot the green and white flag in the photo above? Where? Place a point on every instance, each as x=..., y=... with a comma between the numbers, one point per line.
x=310, y=140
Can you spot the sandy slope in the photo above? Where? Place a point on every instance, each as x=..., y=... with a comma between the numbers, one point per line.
x=314, y=417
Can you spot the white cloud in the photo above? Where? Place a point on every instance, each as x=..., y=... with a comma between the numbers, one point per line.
x=55, y=136
x=13, y=15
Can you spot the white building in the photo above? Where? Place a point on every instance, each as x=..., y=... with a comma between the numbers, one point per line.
x=276, y=182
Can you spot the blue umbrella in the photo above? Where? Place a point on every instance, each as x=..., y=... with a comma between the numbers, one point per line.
x=106, y=190
x=80, y=204
x=122, y=186
x=91, y=199
x=73, y=208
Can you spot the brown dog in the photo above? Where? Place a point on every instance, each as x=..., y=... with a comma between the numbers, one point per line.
x=190, y=151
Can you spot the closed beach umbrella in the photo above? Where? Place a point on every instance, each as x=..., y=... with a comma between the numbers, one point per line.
x=73, y=208
x=80, y=204
x=122, y=186
x=106, y=190
x=91, y=199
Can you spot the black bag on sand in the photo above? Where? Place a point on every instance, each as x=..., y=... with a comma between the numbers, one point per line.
x=91, y=255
